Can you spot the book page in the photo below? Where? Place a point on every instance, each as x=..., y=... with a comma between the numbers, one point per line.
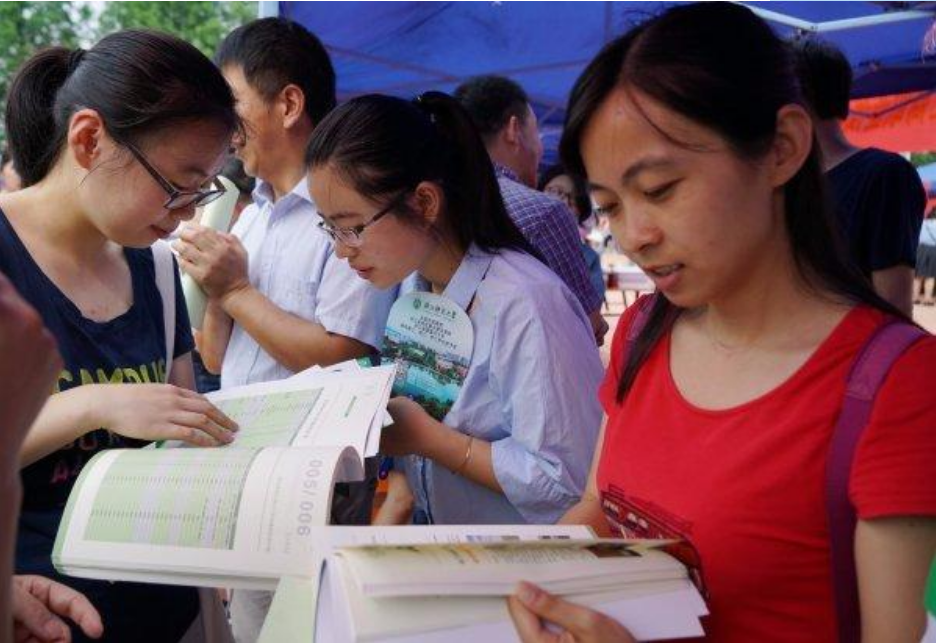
x=319, y=408
x=188, y=516
x=487, y=569
x=381, y=418
x=664, y=611
x=292, y=613
x=272, y=419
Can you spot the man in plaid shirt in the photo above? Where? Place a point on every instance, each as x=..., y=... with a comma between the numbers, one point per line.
x=501, y=111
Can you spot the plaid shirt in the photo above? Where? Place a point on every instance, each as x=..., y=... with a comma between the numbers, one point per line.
x=550, y=228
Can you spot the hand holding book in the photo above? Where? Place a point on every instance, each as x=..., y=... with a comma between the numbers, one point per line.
x=159, y=412
x=412, y=431
x=532, y=610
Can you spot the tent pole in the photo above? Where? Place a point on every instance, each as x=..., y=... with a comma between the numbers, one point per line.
x=839, y=25
x=870, y=21
x=781, y=18
x=267, y=9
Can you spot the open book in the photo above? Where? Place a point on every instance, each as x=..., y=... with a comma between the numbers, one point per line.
x=234, y=516
x=444, y=584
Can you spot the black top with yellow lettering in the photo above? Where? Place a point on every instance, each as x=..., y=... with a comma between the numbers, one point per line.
x=127, y=349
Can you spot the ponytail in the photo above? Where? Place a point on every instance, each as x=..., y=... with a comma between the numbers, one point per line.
x=139, y=82
x=30, y=121
x=383, y=146
x=476, y=208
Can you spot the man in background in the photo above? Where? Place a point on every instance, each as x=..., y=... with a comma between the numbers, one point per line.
x=280, y=300
x=878, y=196
x=501, y=111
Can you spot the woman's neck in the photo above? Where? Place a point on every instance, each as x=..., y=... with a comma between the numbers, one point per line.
x=442, y=263
x=50, y=207
x=770, y=305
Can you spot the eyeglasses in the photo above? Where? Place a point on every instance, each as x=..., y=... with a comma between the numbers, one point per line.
x=352, y=237
x=176, y=198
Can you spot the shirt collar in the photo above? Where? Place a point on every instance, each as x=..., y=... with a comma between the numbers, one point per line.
x=505, y=172
x=468, y=276
x=263, y=193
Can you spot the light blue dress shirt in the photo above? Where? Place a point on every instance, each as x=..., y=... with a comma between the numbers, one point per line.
x=531, y=391
x=292, y=262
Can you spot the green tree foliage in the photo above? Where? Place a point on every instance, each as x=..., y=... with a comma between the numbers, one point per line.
x=204, y=24
x=26, y=27
x=922, y=158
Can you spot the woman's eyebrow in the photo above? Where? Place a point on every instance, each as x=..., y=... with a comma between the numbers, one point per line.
x=643, y=165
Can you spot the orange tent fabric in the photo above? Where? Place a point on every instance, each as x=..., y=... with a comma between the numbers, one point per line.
x=899, y=123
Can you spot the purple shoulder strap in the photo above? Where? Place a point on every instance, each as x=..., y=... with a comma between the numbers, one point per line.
x=644, y=306
x=867, y=374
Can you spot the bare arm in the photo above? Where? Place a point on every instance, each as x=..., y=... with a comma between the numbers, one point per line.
x=183, y=372
x=29, y=362
x=895, y=284
x=219, y=264
x=893, y=557
x=65, y=417
x=212, y=340
x=142, y=411
x=397, y=508
x=294, y=342
x=70, y=414
x=415, y=431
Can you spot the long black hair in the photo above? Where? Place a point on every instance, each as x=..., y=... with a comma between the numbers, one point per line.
x=721, y=66
x=140, y=82
x=383, y=146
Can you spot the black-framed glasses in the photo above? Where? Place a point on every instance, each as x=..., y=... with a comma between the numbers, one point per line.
x=352, y=236
x=177, y=199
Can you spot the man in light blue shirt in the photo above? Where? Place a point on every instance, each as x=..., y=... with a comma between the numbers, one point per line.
x=280, y=301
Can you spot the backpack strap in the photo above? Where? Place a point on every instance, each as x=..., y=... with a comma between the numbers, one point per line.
x=868, y=372
x=164, y=264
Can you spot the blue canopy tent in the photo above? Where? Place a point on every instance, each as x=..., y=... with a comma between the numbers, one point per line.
x=404, y=48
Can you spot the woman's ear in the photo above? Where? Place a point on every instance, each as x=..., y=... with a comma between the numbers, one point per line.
x=85, y=135
x=792, y=143
x=429, y=198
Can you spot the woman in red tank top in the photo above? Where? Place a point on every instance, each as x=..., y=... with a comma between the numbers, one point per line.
x=720, y=412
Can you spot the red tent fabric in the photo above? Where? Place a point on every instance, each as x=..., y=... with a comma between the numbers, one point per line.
x=899, y=123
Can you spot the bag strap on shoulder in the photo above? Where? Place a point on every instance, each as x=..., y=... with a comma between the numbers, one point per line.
x=165, y=282
x=868, y=372
x=644, y=306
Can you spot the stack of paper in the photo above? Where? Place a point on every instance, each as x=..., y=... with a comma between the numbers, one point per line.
x=449, y=584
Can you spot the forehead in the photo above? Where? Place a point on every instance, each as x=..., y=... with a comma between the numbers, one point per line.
x=629, y=128
x=334, y=198
x=240, y=87
x=194, y=147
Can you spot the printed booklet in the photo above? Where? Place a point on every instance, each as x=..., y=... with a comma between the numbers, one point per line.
x=252, y=515
x=443, y=584
x=234, y=516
